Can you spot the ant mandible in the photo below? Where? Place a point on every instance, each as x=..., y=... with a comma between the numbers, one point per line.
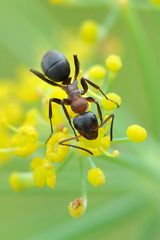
x=56, y=68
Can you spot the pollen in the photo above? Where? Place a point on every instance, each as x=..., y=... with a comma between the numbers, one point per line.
x=113, y=63
x=136, y=133
x=109, y=105
x=96, y=177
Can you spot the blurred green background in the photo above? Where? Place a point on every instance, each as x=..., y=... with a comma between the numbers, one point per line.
x=128, y=206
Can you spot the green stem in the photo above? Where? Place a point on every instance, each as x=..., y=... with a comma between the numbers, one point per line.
x=83, y=178
x=120, y=140
x=91, y=162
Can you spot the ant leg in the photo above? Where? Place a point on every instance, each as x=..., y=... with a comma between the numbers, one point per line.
x=70, y=145
x=76, y=63
x=68, y=102
x=90, y=99
x=111, y=128
x=61, y=102
x=84, y=86
x=97, y=87
x=40, y=75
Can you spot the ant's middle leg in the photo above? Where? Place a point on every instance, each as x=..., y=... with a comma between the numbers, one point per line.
x=91, y=99
x=62, y=102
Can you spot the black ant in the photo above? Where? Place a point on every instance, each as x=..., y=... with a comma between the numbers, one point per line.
x=87, y=126
x=56, y=68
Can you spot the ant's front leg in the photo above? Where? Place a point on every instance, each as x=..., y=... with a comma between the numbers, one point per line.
x=76, y=63
x=62, y=102
x=91, y=99
x=96, y=87
x=41, y=76
x=63, y=142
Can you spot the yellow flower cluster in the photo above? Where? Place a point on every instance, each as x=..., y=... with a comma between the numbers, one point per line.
x=43, y=172
x=25, y=141
x=31, y=135
x=56, y=152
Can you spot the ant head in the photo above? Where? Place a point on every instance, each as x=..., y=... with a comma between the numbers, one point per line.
x=87, y=125
x=55, y=66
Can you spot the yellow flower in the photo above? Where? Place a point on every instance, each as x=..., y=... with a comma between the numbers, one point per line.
x=21, y=180
x=77, y=207
x=89, y=31
x=95, y=145
x=43, y=172
x=109, y=105
x=113, y=63
x=25, y=141
x=97, y=72
x=136, y=133
x=96, y=177
x=56, y=152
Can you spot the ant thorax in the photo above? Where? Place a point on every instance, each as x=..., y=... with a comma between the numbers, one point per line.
x=72, y=90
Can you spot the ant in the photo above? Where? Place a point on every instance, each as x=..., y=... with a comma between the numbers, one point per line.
x=56, y=68
x=87, y=126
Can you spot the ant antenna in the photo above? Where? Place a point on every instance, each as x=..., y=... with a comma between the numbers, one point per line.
x=77, y=64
